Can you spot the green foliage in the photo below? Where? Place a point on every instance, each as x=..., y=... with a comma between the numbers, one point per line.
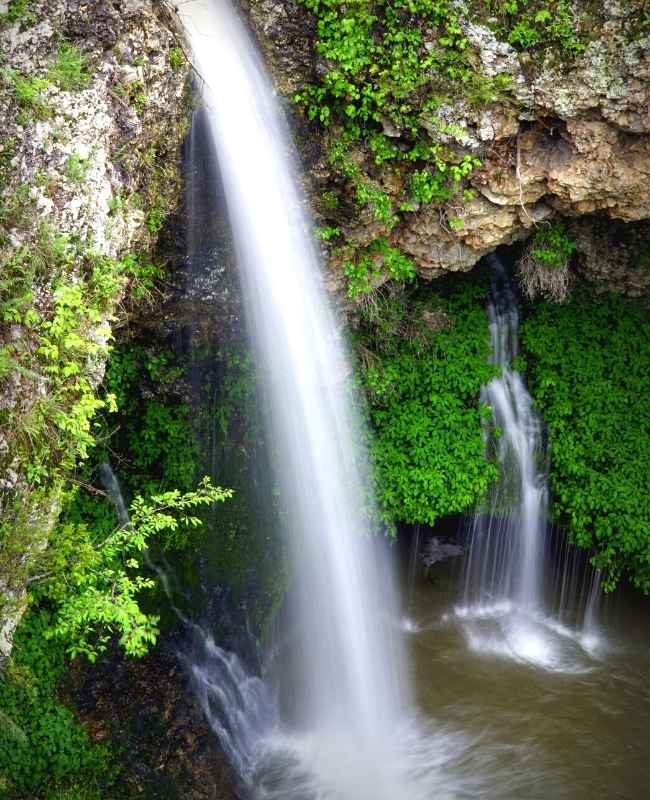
x=384, y=71
x=43, y=749
x=379, y=63
x=61, y=298
x=552, y=246
x=176, y=58
x=97, y=591
x=424, y=360
x=66, y=337
x=378, y=259
x=367, y=193
x=144, y=275
x=70, y=70
x=77, y=167
x=28, y=92
x=535, y=24
x=327, y=233
x=156, y=219
x=155, y=430
x=441, y=182
x=133, y=94
x=589, y=362
x=20, y=11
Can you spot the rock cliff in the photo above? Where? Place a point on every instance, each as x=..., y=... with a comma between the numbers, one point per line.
x=93, y=107
x=562, y=129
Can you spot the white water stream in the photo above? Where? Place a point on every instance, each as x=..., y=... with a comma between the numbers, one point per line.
x=505, y=610
x=354, y=681
x=350, y=732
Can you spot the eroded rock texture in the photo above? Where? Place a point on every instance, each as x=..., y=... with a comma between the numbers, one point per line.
x=168, y=750
x=570, y=137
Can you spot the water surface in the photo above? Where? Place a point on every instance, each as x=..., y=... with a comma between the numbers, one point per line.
x=577, y=728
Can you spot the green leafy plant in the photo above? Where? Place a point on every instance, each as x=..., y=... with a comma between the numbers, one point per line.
x=375, y=260
x=552, y=246
x=28, y=92
x=327, y=233
x=156, y=219
x=70, y=70
x=43, y=748
x=379, y=61
x=588, y=365
x=97, y=593
x=424, y=359
x=440, y=182
x=176, y=58
x=77, y=167
x=385, y=74
x=533, y=24
x=20, y=11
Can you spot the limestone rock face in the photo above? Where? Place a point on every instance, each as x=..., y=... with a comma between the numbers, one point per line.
x=613, y=256
x=92, y=113
x=571, y=137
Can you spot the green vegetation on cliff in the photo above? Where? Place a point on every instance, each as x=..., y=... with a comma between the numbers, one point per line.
x=44, y=751
x=588, y=366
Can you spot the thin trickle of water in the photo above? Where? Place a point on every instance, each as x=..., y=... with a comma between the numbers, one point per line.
x=506, y=558
x=112, y=486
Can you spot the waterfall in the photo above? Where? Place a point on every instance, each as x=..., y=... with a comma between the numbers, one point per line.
x=507, y=606
x=112, y=486
x=354, y=684
x=506, y=557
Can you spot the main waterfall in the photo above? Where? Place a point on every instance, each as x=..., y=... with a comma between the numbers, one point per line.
x=354, y=681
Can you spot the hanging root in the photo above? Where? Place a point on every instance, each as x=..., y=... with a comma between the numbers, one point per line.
x=539, y=279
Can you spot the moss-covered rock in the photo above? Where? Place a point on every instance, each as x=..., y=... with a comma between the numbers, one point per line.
x=94, y=105
x=551, y=96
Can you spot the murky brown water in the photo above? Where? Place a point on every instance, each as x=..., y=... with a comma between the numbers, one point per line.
x=549, y=716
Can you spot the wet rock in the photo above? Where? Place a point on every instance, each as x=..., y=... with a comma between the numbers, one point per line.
x=436, y=550
x=144, y=706
x=569, y=139
x=78, y=164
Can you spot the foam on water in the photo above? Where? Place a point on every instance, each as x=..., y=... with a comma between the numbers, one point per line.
x=526, y=636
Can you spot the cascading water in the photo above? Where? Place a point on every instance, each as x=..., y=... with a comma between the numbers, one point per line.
x=348, y=732
x=506, y=556
x=355, y=683
x=507, y=564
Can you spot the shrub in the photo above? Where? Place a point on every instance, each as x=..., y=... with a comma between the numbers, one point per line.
x=424, y=360
x=589, y=362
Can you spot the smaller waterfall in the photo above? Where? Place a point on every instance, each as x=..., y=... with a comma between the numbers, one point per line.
x=112, y=486
x=507, y=544
x=513, y=604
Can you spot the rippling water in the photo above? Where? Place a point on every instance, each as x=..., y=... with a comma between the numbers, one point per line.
x=550, y=712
